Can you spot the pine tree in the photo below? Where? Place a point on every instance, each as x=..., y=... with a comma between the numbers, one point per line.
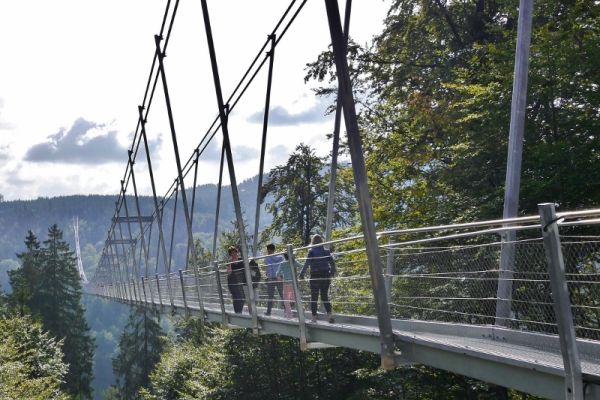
x=140, y=346
x=31, y=365
x=23, y=280
x=58, y=299
x=48, y=286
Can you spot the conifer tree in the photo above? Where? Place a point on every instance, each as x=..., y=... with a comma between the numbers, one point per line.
x=58, y=299
x=23, y=280
x=48, y=286
x=140, y=347
x=31, y=365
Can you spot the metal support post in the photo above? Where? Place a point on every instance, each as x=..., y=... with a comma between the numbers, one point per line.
x=170, y=290
x=151, y=292
x=160, y=302
x=185, y=305
x=115, y=255
x=297, y=298
x=161, y=238
x=389, y=279
x=562, y=302
x=170, y=258
x=220, y=291
x=186, y=209
x=214, y=244
x=144, y=290
x=197, y=153
x=132, y=249
x=362, y=187
x=135, y=296
x=124, y=250
x=218, y=208
x=336, y=139
x=232, y=179
x=263, y=145
x=168, y=267
x=138, y=210
x=513, y=164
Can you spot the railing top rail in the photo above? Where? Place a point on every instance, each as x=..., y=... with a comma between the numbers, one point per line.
x=508, y=221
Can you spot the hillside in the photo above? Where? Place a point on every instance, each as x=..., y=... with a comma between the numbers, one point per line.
x=95, y=212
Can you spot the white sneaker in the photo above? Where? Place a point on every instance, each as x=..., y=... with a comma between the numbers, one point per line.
x=313, y=319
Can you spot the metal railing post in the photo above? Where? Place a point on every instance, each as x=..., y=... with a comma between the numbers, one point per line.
x=298, y=298
x=160, y=302
x=170, y=290
x=389, y=278
x=562, y=302
x=144, y=290
x=151, y=292
x=135, y=296
x=220, y=291
x=187, y=310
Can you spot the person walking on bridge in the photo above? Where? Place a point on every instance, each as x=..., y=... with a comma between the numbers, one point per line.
x=272, y=263
x=235, y=279
x=322, y=269
x=284, y=273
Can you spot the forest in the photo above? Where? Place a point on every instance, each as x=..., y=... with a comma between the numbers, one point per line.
x=433, y=93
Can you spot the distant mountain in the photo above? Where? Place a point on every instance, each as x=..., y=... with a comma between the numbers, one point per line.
x=95, y=213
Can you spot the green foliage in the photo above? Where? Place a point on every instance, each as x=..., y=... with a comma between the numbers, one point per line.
x=140, y=346
x=235, y=364
x=203, y=255
x=48, y=287
x=31, y=365
x=106, y=320
x=436, y=89
x=231, y=237
x=299, y=205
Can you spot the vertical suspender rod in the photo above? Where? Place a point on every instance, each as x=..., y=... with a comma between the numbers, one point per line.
x=261, y=167
x=232, y=179
x=362, y=188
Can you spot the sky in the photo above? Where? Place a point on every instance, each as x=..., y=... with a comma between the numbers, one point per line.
x=72, y=74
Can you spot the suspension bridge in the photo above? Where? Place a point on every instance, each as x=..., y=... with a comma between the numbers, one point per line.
x=513, y=301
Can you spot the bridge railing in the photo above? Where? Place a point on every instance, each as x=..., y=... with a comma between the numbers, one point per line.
x=581, y=252
x=447, y=274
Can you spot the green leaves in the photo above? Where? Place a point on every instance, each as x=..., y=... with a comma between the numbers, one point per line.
x=31, y=365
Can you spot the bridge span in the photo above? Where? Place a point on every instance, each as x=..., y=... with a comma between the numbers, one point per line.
x=442, y=285
x=515, y=302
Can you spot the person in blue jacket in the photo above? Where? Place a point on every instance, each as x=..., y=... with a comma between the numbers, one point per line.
x=322, y=269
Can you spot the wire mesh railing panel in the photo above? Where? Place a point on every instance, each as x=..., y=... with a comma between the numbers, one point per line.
x=531, y=304
x=456, y=280
x=455, y=275
x=581, y=256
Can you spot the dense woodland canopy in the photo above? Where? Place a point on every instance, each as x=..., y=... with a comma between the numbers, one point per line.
x=435, y=90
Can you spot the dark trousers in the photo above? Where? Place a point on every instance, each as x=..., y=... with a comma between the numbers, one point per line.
x=237, y=293
x=271, y=285
x=319, y=284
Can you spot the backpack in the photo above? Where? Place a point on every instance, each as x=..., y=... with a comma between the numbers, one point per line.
x=254, y=271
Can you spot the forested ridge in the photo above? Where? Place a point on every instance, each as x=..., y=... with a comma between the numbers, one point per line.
x=434, y=93
x=95, y=213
